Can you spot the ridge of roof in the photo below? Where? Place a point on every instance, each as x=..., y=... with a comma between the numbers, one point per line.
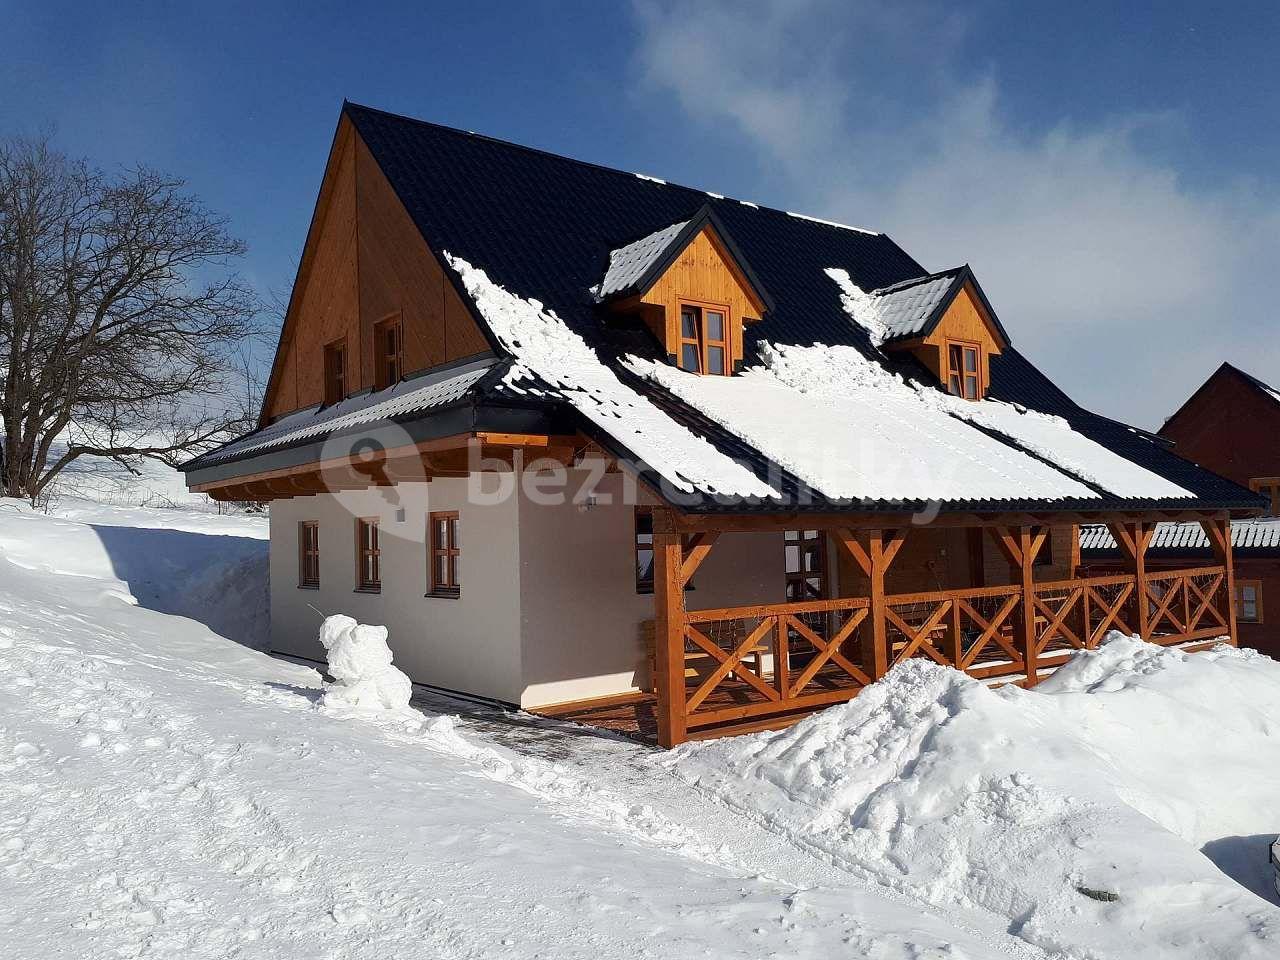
x=657, y=181
x=1225, y=367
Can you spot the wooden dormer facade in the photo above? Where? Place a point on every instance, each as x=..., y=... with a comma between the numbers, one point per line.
x=371, y=302
x=692, y=288
x=946, y=322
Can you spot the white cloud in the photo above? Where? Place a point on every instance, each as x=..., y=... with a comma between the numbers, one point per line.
x=1124, y=283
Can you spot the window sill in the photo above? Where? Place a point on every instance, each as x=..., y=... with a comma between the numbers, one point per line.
x=367, y=590
x=308, y=586
x=443, y=595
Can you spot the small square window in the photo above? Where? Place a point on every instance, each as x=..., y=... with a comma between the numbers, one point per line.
x=388, y=349
x=309, y=555
x=1249, y=601
x=704, y=340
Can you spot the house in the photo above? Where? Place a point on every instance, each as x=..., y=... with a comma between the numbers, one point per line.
x=1230, y=425
x=606, y=447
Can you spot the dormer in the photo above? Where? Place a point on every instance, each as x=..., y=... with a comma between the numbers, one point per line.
x=947, y=323
x=690, y=285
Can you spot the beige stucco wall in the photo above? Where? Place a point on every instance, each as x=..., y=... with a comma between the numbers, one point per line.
x=548, y=610
x=580, y=614
x=469, y=643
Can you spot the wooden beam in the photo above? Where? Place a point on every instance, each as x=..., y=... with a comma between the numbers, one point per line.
x=669, y=629
x=1029, y=542
x=881, y=548
x=1219, y=533
x=696, y=551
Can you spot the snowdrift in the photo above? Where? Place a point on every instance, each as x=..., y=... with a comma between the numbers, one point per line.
x=1097, y=813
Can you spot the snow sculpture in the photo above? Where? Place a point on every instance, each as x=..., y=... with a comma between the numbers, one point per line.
x=360, y=663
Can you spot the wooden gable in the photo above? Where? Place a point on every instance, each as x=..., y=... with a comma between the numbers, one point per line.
x=364, y=262
x=706, y=273
x=967, y=320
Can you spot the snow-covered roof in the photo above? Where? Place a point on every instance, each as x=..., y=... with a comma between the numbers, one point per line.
x=834, y=419
x=1262, y=533
x=416, y=395
x=628, y=264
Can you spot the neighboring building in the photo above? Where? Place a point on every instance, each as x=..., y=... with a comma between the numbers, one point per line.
x=1230, y=425
x=599, y=445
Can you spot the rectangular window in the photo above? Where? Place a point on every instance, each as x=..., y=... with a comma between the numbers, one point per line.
x=335, y=371
x=388, y=349
x=1269, y=487
x=644, y=551
x=805, y=563
x=704, y=339
x=444, y=551
x=368, y=556
x=309, y=555
x=1249, y=601
x=963, y=369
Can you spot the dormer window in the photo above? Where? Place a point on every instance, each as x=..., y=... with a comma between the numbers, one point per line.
x=690, y=285
x=704, y=338
x=964, y=363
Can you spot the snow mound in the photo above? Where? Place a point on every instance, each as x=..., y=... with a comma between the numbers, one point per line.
x=1107, y=813
x=360, y=663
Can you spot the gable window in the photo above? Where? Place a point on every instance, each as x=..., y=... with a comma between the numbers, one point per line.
x=388, y=349
x=335, y=371
x=444, y=553
x=368, y=556
x=309, y=555
x=1269, y=487
x=1249, y=601
x=704, y=339
x=963, y=364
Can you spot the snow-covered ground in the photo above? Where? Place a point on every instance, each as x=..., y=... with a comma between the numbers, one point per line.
x=166, y=791
x=1122, y=809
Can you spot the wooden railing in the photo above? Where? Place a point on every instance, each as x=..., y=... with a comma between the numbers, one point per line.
x=774, y=660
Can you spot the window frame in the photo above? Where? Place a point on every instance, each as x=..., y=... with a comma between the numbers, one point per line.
x=645, y=585
x=701, y=341
x=384, y=360
x=1257, y=600
x=961, y=374
x=450, y=549
x=1270, y=487
x=308, y=555
x=371, y=552
x=335, y=393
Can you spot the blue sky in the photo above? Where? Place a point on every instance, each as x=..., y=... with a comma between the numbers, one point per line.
x=1109, y=170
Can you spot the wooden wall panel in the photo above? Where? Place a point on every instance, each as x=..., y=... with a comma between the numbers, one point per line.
x=703, y=271
x=1231, y=428
x=365, y=261
x=964, y=320
x=325, y=307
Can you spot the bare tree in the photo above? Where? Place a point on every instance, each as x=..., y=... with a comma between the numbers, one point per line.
x=122, y=324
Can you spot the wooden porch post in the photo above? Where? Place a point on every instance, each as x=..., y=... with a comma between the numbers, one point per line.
x=874, y=551
x=1021, y=550
x=669, y=628
x=1133, y=539
x=1219, y=534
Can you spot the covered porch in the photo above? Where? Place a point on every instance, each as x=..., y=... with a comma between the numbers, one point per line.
x=726, y=670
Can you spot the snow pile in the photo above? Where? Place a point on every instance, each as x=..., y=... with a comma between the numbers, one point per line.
x=1122, y=809
x=546, y=348
x=360, y=662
